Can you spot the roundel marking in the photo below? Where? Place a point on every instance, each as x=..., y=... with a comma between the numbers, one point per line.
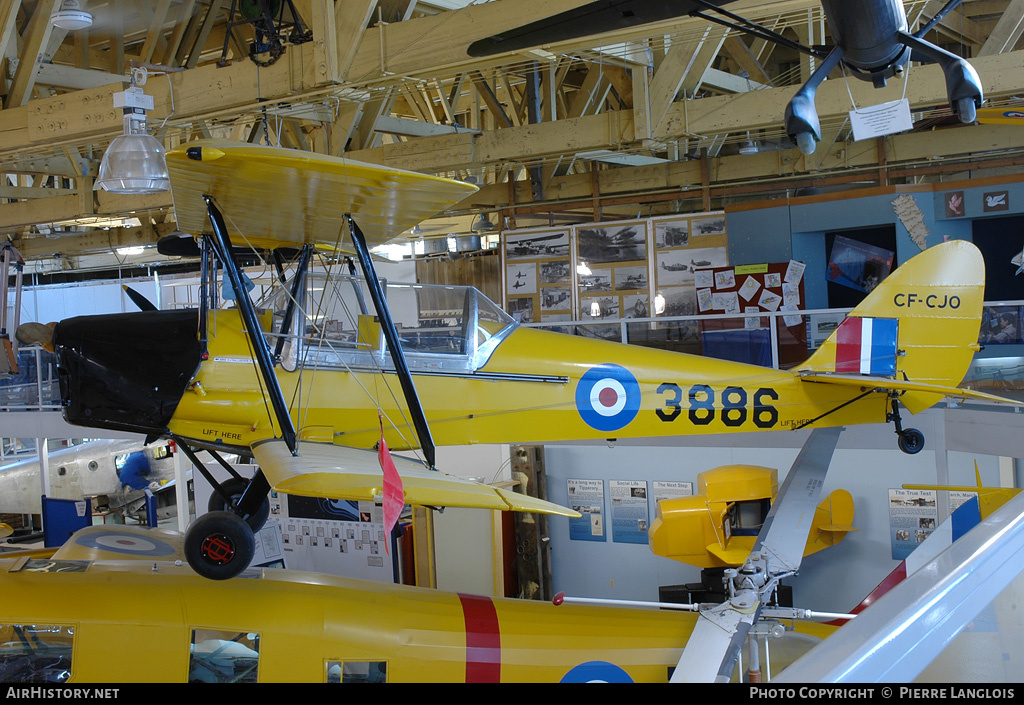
x=596, y=672
x=126, y=543
x=607, y=397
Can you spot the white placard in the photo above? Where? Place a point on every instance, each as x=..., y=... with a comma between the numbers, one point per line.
x=882, y=119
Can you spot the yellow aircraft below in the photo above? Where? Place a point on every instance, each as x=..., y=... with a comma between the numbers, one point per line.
x=717, y=527
x=305, y=383
x=276, y=625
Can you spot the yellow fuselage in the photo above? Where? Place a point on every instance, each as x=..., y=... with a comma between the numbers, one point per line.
x=676, y=394
x=134, y=621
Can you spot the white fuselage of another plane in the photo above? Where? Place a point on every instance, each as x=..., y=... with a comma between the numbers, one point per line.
x=86, y=470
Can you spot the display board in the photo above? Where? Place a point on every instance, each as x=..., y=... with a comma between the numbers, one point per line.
x=747, y=289
x=538, y=275
x=610, y=271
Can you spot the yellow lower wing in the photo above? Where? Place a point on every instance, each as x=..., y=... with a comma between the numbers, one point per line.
x=339, y=472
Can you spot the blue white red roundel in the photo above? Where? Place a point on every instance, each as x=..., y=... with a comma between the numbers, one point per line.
x=608, y=397
x=118, y=542
x=596, y=672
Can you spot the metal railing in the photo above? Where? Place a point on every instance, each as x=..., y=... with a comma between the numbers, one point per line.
x=764, y=338
x=34, y=387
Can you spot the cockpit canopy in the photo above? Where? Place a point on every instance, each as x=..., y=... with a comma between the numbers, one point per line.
x=442, y=328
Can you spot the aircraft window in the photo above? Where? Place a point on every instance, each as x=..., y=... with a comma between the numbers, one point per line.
x=223, y=657
x=747, y=517
x=35, y=653
x=357, y=672
x=442, y=328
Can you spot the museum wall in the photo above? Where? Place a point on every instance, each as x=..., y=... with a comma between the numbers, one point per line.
x=866, y=463
x=795, y=227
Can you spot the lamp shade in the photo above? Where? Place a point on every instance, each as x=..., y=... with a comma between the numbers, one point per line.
x=71, y=16
x=482, y=224
x=134, y=164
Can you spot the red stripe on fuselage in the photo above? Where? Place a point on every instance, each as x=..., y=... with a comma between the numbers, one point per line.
x=483, y=640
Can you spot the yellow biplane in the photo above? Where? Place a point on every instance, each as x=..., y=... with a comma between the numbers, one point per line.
x=305, y=383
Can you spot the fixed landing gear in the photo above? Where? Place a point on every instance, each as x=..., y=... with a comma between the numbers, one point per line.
x=234, y=488
x=219, y=545
x=909, y=440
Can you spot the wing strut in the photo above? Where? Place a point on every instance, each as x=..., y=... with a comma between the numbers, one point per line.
x=222, y=243
x=387, y=324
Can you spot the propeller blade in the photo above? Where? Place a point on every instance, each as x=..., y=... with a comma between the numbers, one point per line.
x=714, y=646
x=138, y=299
x=784, y=532
x=711, y=653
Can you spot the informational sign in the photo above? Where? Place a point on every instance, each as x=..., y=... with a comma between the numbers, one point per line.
x=587, y=498
x=912, y=518
x=880, y=120
x=670, y=490
x=630, y=515
x=339, y=537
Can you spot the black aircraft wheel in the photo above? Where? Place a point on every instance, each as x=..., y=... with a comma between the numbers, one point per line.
x=219, y=545
x=911, y=441
x=234, y=489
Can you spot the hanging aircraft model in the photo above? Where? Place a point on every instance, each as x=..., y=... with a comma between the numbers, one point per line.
x=871, y=39
x=305, y=388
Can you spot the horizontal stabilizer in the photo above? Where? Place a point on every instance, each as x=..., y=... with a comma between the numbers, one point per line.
x=340, y=472
x=884, y=383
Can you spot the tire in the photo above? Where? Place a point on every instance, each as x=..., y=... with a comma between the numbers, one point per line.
x=966, y=110
x=219, y=545
x=234, y=489
x=805, y=142
x=911, y=441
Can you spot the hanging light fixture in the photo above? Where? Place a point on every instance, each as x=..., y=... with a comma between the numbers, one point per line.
x=134, y=163
x=482, y=224
x=70, y=16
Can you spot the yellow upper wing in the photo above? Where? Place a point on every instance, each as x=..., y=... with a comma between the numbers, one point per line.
x=340, y=472
x=273, y=195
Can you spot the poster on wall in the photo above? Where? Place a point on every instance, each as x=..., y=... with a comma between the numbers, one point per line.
x=912, y=518
x=587, y=498
x=630, y=512
x=613, y=274
x=683, y=245
x=538, y=271
x=858, y=265
x=339, y=537
x=670, y=490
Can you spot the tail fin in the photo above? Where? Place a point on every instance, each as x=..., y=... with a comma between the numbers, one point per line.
x=920, y=324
